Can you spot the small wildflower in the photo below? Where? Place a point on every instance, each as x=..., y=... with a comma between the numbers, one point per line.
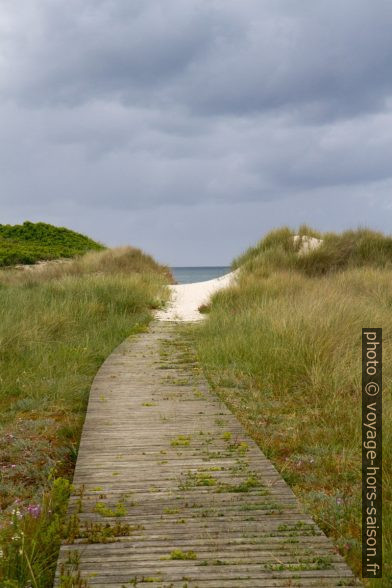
x=339, y=501
x=34, y=510
x=16, y=512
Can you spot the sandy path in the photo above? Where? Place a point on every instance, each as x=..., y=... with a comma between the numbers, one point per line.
x=186, y=298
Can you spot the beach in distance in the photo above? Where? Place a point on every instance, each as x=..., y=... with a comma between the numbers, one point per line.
x=189, y=275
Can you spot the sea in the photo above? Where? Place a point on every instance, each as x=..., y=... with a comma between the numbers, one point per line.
x=187, y=275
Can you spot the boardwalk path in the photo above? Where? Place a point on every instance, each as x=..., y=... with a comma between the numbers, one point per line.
x=198, y=504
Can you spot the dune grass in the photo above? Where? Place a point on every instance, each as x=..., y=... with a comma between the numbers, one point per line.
x=32, y=242
x=118, y=261
x=57, y=325
x=350, y=249
x=283, y=349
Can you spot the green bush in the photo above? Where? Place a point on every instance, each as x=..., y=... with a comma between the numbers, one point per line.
x=32, y=242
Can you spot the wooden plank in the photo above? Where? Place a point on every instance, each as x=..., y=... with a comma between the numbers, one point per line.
x=169, y=490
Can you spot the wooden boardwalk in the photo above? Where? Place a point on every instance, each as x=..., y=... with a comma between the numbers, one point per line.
x=169, y=490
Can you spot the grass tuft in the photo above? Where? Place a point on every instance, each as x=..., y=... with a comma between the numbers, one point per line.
x=179, y=554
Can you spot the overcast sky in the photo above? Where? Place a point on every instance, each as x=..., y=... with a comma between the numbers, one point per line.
x=191, y=127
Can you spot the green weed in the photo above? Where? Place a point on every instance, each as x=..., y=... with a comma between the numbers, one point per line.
x=179, y=554
x=119, y=510
x=181, y=441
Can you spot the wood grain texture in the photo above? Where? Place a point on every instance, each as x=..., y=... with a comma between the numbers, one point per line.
x=195, y=501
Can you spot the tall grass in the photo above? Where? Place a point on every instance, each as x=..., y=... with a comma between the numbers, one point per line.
x=283, y=349
x=57, y=325
x=353, y=248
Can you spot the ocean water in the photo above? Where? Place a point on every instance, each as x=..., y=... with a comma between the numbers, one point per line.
x=187, y=275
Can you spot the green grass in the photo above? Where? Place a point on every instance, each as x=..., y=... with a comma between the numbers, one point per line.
x=119, y=509
x=179, y=554
x=181, y=441
x=33, y=242
x=31, y=540
x=57, y=325
x=283, y=349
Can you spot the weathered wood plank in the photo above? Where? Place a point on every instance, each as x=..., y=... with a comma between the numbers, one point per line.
x=169, y=490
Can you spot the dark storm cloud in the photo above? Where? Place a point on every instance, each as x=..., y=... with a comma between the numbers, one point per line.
x=319, y=59
x=121, y=50
x=123, y=107
x=217, y=57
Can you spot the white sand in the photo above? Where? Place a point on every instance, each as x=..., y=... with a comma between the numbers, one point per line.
x=307, y=244
x=186, y=298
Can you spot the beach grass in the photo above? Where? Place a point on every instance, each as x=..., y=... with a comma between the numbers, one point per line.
x=57, y=325
x=282, y=347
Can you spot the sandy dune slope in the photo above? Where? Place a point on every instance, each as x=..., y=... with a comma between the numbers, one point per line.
x=306, y=244
x=186, y=298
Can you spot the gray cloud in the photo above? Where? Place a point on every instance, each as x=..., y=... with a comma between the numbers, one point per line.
x=166, y=109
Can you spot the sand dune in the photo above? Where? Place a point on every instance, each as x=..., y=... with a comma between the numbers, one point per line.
x=186, y=298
